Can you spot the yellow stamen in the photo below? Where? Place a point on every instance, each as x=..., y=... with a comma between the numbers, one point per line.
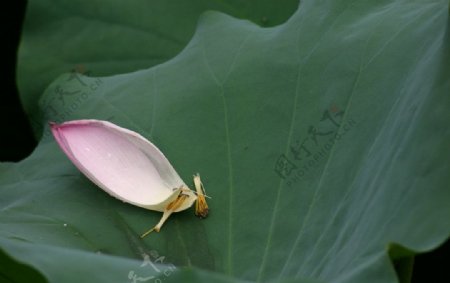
x=201, y=207
x=171, y=207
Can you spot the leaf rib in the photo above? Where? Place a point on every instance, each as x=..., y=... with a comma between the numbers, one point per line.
x=289, y=138
x=316, y=195
x=230, y=168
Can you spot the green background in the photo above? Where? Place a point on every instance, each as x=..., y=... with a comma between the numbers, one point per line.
x=235, y=100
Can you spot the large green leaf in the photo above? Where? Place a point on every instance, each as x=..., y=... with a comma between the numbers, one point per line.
x=106, y=37
x=323, y=142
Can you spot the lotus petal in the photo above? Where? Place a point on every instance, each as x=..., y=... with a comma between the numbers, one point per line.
x=122, y=163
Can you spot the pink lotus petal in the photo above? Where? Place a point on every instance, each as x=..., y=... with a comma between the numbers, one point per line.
x=121, y=162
